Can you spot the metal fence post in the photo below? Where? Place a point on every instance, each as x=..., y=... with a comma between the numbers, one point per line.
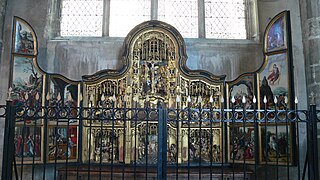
x=162, y=144
x=312, y=140
x=8, y=145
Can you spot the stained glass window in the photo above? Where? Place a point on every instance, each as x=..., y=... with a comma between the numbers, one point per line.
x=81, y=18
x=182, y=14
x=225, y=19
x=126, y=14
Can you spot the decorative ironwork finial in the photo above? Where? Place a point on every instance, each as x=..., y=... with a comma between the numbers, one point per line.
x=233, y=100
x=37, y=96
x=59, y=96
x=254, y=100
x=178, y=99
x=312, y=98
x=265, y=99
x=103, y=97
x=222, y=99
x=244, y=100
x=9, y=94
x=189, y=99
x=48, y=96
x=275, y=100
x=211, y=99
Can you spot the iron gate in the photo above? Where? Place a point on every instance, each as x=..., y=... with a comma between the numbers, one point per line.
x=47, y=150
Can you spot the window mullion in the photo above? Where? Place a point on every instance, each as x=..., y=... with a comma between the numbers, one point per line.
x=106, y=18
x=154, y=10
x=201, y=19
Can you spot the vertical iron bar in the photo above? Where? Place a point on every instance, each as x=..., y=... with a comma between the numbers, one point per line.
x=256, y=139
x=124, y=137
x=160, y=143
x=35, y=116
x=90, y=136
x=313, y=144
x=277, y=142
x=25, y=110
x=147, y=140
x=57, y=111
x=177, y=141
x=233, y=139
x=165, y=137
x=135, y=140
x=200, y=143
x=288, y=152
x=298, y=138
x=244, y=116
x=189, y=131
x=7, y=146
x=102, y=118
x=266, y=140
x=79, y=142
x=211, y=140
x=68, y=134
x=222, y=130
x=112, y=138
x=45, y=142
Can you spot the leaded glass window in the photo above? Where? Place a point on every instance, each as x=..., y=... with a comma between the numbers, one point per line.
x=182, y=14
x=81, y=18
x=225, y=19
x=126, y=14
x=218, y=19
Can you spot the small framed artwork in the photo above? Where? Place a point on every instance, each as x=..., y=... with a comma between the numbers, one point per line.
x=241, y=142
x=28, y=146
x=63, y=143
x=276, y=34
x=27, y=79
x=68, y=99
x=242, y=87
x=275, y=144
x=24, y=38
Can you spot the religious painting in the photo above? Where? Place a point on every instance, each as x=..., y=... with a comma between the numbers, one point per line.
x=65, y=95
x=27, y=141
x=274, y=81
x=242, y=87
x=202, y=145
x=24, y=38
x=242, y=143
x=276, y=34
x=62, y=143
x=27, y=82
x=275, y=144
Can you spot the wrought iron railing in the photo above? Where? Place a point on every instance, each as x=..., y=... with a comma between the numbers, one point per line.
x=64, y=142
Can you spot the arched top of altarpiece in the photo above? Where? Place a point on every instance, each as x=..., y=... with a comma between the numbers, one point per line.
x=168, y=37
